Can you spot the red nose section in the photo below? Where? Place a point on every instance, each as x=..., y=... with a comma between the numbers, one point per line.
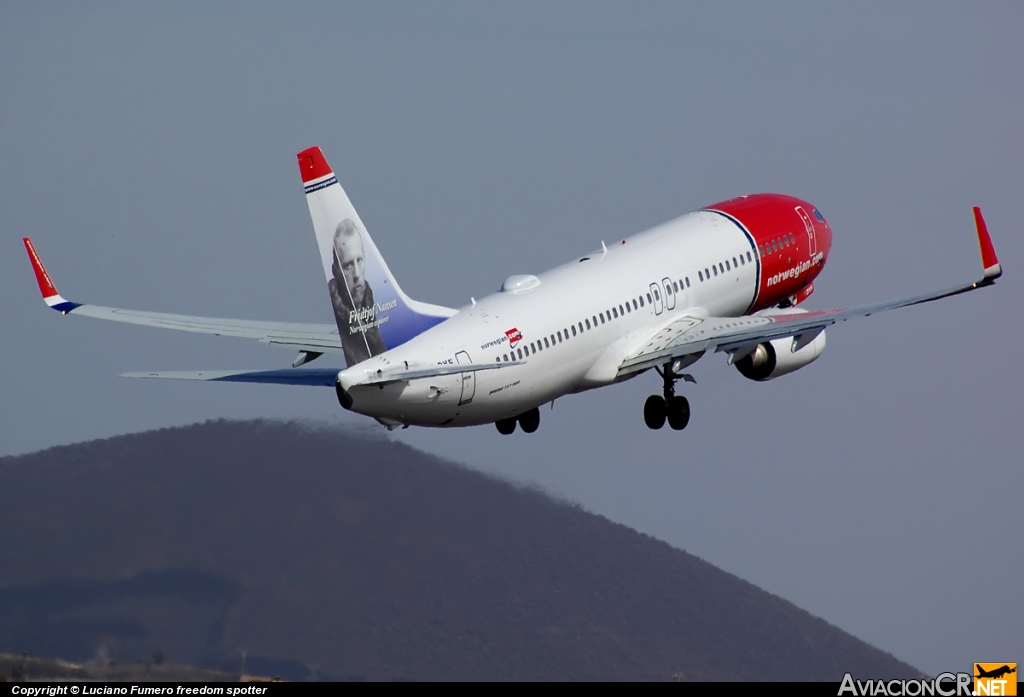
x=312, y=164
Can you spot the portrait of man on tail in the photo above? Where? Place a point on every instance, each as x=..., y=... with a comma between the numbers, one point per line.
x=352, y=297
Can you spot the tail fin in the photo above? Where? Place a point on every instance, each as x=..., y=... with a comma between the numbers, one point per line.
x=372, y=312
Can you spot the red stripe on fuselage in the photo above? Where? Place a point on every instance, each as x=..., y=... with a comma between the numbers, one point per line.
x=785, y=270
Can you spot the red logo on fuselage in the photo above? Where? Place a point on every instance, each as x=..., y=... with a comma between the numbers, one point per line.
x=514, y=335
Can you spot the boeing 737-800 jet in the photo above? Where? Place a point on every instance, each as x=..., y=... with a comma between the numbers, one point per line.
x=729, y=278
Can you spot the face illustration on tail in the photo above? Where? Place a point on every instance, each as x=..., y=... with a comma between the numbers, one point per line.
x=352, y=297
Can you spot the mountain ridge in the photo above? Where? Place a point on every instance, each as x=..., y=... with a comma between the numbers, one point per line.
x=331, y=554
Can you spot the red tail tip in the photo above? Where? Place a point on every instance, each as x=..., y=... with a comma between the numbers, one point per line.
x=312, y=164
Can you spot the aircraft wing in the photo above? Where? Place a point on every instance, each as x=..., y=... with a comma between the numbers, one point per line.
x=322, y=377
x=318, y=338
x=739, y=336
x=315, y=377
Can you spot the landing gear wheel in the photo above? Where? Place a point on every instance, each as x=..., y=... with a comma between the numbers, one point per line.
x=529, y=421
x=678, y=409
x=506, y=427
x=654, y=412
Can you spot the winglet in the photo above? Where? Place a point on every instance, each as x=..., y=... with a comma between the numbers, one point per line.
x=50, y=295
x=989, y=260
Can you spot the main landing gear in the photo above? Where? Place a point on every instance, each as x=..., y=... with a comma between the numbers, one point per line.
x=676, y=410
x=529, y=421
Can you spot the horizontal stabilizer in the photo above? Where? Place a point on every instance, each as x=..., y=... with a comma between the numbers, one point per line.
x=380, y=377
x=315, y=377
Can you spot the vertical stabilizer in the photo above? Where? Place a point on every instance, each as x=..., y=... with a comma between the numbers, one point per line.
x=372, y=312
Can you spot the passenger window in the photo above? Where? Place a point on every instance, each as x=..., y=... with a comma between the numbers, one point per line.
x=792, y=239
x=559, y=336
x=574, y=331
x=707, y=274
x=750, y=258
x=657, y=295
x=720, y=267
x=634, y=303
x=649, y=298
x=774, y=248
x=742, y=260
x=506, y=357
x=520, y=353
x=641, y=301
x=734, y=264
x=727, y=267
x=687, y=281
x=581, y=327
x=602, y=318
x=615, y=313
x=715, y=269
x=587, y=322
x=700, y=275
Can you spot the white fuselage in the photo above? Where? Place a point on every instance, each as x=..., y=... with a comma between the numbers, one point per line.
x=566, y=345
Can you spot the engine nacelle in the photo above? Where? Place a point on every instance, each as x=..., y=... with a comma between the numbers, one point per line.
x=775, y=358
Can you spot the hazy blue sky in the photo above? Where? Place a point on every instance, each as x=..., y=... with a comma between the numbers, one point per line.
x=150, y=152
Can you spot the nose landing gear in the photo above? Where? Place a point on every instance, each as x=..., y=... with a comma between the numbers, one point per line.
x=676, y=410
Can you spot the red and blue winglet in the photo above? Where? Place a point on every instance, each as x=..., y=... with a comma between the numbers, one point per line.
x=46, y=287
x=989, y=260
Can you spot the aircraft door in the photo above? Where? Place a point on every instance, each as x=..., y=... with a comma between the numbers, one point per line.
x=812, y=245
x=670, y=296
x=468, y=379
x=657, y=298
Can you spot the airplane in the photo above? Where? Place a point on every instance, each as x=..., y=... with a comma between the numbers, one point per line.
x=994, y=673
x=728, y=278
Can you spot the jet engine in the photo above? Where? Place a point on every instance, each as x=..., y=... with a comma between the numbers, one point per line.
x=775, y=358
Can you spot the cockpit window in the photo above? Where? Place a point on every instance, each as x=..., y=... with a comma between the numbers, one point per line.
x=817, y=214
